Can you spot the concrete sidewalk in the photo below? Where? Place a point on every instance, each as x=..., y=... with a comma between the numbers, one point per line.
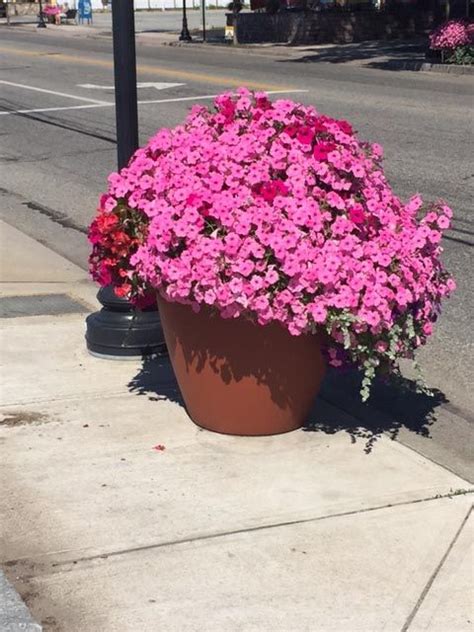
x=104, y=532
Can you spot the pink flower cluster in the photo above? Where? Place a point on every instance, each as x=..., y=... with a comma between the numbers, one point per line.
x=51, y=9
x=275, y=212
x=452, y=34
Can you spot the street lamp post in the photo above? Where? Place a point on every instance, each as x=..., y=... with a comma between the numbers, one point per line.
x=185, y=35
x=125, y=72
x=41, y=22
x=119, y=330
x=203, y=10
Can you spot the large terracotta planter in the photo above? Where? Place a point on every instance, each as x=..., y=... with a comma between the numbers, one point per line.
x=240, y=378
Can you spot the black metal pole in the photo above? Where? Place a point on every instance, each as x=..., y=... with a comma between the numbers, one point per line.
x=234, y=19
x=203, y=8
x=125, y=70
x=41, y=22
x=119, y=330
x=185, y=35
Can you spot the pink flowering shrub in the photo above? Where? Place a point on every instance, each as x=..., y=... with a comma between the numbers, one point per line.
x=452, y=34
x=51, y=10
x=274, y=212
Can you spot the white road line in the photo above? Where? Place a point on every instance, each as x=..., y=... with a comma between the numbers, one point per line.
x=57, y=94
x=140, y=84
x=59, y=108
x=210, y=96
x=105, y=105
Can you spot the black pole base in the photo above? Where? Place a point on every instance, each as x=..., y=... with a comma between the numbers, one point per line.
x=121, y=331
x=41, y=25
x=185, y=35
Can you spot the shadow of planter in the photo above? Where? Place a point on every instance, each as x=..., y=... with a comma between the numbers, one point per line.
x=391, y=408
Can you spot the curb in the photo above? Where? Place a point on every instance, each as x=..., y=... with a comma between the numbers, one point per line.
x=288, y=52
x=425, y=66
x=14, y=614
x=243, y=49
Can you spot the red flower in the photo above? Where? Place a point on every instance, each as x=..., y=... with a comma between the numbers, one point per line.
x=123, y=290
x=106, y=221
x=357, y=215
x=305, y=135
x=291, y=130
x=102, y=200
x=103, y=274
x=263, y=103
x=269, y=190
x=345, y=127
x=280, y=187
x=322, y=150
x=319, y=127
x=320, y=124
x=95, y=236
x=227, y=108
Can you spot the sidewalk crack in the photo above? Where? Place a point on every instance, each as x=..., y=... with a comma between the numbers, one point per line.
x=58, y=566
x=435, y=573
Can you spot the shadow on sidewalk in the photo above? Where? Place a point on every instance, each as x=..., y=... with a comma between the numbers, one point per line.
x=390, y=409
x=392, y=52
x=156, y=380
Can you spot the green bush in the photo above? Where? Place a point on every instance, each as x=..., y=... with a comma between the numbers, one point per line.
x=462, y=55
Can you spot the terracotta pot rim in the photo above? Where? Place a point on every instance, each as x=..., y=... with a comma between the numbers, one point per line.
x=214, y=312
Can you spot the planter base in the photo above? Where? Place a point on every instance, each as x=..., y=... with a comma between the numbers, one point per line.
x=240, y=378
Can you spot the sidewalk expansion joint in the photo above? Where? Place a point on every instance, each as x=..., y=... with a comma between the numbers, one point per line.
x=65, y=398
x=61, y=566
x=435, y=573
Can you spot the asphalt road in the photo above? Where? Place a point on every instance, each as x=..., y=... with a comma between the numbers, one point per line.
x=58, y=145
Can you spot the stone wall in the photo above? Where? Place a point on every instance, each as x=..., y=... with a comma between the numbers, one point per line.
x=308, y=27
x=22, y=8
